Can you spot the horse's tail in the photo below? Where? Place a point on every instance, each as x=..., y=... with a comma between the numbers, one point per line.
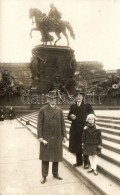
x=69, y=27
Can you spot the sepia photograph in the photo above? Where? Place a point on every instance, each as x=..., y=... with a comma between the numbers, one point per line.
x=59, y=97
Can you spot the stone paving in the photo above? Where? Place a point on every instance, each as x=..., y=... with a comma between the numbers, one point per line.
x=20, y=168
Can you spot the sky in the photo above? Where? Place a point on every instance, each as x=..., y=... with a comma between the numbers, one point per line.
x=96, y=24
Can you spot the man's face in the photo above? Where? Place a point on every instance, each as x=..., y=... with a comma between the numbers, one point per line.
x=52, y=101
x=79, y=98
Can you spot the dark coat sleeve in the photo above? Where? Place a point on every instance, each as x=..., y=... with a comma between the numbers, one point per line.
x=83, y=136
x=70, y=112
x=40, y=123
x=99, y=137
x=63, y=125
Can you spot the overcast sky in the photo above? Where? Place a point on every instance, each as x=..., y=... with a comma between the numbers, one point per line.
x=96, y=24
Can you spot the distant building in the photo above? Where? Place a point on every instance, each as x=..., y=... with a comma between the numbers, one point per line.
x=116, y=71
x=92, y=71
x=19, y=71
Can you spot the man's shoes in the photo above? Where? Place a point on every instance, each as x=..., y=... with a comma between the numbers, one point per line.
x=86, y=166
x=77, y=165
x=57, y=177
x=43, y=180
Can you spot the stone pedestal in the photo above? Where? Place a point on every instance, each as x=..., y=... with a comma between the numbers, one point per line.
x=49, y=61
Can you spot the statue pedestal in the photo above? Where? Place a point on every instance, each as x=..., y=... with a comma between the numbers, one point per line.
x=49, y=61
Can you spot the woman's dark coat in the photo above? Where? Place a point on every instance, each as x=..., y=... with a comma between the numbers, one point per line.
x=51, y=127
x=76, y=130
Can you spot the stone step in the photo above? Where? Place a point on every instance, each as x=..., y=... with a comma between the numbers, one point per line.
x=105, y=152
x=101, y=184
x=102, y=123
x=115, y=147
x=110, y=120
x=105, y=167
x=103, y=129
x=110, y=156
x=109, y=125
x=104, y=120
x=105, y=176
x=110, y=137
x=33, y=123
x=106, y=143
x=110, y=130
x=106, y=136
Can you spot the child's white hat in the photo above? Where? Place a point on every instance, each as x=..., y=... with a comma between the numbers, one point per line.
x=91, y=116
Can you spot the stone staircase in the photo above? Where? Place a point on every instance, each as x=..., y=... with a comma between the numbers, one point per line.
x=108, y=180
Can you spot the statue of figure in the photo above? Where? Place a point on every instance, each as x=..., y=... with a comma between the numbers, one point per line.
x=60, y=88
x=9, y=85
x=51, y=23
x=54, y=13
x=36, y=66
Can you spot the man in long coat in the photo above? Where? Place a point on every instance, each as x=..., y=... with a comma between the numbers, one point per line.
x=78, y=114
x=51, y=133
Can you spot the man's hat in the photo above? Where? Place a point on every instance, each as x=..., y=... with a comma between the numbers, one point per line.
x=52, y=94
x=79, y=91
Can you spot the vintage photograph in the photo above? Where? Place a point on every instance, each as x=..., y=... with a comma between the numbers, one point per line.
x=59, y=97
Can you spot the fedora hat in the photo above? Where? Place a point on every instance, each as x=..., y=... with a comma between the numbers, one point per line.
x=52, y=94
x=79, y=91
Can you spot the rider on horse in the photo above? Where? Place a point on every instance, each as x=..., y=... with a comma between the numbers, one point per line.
x=54, y=13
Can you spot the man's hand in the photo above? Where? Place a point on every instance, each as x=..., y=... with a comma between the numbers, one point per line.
x=44, y=142
x=73, y=116
x=99, y=146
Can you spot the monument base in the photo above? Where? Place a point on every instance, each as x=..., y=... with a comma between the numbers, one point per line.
x=49, y=61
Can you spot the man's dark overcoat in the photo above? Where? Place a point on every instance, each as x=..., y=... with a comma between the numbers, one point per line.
x=76, y=130
x=51, y=127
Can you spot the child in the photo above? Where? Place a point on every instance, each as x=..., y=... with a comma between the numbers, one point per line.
x=90, y=141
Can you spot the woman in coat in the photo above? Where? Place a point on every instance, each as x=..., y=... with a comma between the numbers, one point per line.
x=51, y=133
x=78, y=114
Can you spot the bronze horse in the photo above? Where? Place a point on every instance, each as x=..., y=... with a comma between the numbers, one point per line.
x=46, y=24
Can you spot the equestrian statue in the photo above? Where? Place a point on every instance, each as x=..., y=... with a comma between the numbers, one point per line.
x=50, y=23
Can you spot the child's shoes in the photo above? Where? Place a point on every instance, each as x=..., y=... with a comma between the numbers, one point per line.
x=90, y=170
x=95, y=172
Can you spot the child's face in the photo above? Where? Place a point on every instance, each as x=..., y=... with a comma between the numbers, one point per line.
x=91, y=120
